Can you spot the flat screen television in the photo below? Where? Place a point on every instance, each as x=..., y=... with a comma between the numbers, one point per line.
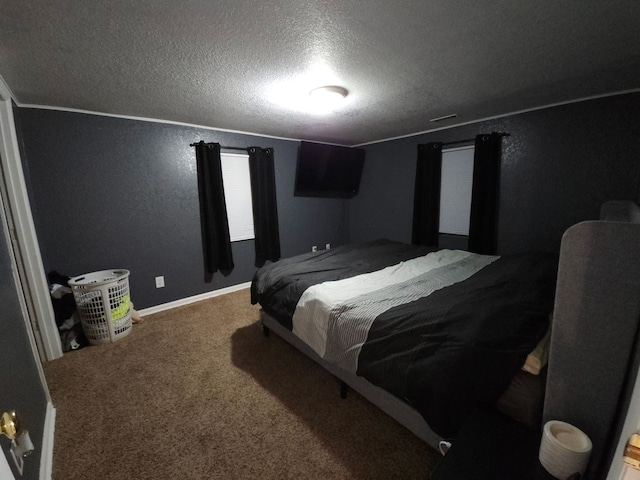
x=328, y=171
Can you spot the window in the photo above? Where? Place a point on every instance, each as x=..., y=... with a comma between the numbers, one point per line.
x=237, y=194
x=455, y=190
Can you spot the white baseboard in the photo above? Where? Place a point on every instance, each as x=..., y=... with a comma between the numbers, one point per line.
x=46, y=457
x=195, y=298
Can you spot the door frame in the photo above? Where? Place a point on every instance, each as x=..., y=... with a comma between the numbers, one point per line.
x=48, y=429
x=32, y=279
x=20, y=233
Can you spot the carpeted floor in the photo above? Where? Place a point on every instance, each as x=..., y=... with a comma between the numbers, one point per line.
x=198, y=392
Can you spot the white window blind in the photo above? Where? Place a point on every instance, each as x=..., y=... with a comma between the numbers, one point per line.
x=455, y=190
x=237, y=194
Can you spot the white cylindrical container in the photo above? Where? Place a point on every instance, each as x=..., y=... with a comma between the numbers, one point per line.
x=564, y=449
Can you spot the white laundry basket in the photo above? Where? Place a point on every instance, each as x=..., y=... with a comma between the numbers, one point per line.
x=104, y=305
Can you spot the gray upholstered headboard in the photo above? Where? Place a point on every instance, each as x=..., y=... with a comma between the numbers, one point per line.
x=594, y=352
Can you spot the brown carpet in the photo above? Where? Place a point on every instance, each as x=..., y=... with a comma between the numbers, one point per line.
x=198, y=392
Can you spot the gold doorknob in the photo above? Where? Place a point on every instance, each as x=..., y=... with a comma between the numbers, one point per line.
x=10, y=425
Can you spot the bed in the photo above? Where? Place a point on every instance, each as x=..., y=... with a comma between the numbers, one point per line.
x=426, y=335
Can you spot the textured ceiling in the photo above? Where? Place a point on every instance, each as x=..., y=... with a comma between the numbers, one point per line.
x=226, y=63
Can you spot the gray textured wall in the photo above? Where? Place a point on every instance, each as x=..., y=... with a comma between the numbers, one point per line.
x=558, y=166
x=115, y=193
x=21, y=388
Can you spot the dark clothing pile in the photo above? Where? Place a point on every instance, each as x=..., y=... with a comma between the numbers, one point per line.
x=64, y=308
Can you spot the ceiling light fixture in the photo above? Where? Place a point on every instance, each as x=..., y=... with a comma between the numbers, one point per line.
x=330, y=93
x=327, y=99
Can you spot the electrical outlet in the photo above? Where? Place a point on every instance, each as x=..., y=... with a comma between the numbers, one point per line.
x=314, y=248
x=327, y=246
x=160, y=282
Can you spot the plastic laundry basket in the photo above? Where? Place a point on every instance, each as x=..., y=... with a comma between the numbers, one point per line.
x=104, y=305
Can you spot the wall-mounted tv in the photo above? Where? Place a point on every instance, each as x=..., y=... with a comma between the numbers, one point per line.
x=328, y=171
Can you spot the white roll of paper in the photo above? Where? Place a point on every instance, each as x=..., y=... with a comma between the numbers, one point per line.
x=564, y=449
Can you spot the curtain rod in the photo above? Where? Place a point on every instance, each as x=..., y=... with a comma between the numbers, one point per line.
x=469, y=140
x=445, y=144
x=244, y=149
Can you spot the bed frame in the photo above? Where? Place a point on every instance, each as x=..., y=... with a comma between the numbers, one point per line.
x=397, y=409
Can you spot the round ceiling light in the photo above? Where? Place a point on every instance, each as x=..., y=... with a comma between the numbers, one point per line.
x=329, y=93
x=326, y=99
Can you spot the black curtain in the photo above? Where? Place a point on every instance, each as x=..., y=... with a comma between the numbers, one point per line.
x=265, y=209
x=426, y=199
x=485, y=194
x=216, y=243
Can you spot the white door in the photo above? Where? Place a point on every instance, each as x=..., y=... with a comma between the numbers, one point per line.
x=23, y=387
x=21, y=227
x=5, y=469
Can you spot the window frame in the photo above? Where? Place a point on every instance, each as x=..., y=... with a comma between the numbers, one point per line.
x=237, y=193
